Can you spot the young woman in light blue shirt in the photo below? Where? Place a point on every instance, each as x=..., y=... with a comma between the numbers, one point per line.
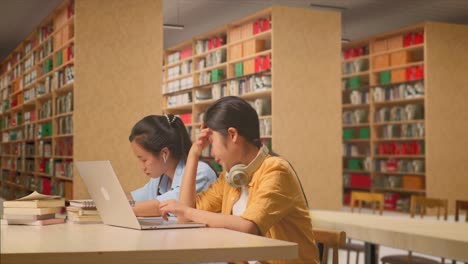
x=162, y=143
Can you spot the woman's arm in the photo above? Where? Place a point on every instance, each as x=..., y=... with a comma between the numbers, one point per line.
x=188, y=186
x=232, y=222
x=147, y=208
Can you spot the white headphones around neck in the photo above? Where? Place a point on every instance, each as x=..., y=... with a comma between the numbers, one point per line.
x=239, y=175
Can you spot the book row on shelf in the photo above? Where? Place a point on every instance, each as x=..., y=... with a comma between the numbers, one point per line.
x=63, y=148
x=408, y=112
x=386, y=93
x=235, y=87
x=385, y=166
x=48, y=166
x=26, y=182
x=51, y=83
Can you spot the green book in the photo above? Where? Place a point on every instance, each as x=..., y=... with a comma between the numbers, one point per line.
x=385, y=77
x=59, y=58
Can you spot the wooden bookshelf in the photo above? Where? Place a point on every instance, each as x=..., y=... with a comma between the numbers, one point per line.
x=37, y=69
x=288, y=74
x=118, y=74
x=397, y=62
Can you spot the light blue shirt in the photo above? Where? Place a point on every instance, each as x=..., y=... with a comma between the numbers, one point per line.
x=205, y=177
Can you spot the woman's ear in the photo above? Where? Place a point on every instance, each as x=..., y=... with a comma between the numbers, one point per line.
x=233, y=134
x=165, y=154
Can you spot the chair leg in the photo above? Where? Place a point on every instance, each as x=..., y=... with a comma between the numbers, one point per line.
x=357, y=257
x=335, y=255
x=325, y=254
x=347, y=256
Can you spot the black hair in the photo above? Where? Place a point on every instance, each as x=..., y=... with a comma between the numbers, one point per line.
x=155, y=132
x=232, y=111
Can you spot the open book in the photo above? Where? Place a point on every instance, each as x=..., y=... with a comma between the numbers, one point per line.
x=36, y=200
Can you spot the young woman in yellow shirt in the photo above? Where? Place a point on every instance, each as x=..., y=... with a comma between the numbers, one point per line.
x=258, y=193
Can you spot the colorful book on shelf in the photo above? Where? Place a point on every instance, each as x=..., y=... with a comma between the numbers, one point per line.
x=36, y=200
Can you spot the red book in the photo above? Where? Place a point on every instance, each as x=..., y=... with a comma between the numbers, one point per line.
x=46, y=186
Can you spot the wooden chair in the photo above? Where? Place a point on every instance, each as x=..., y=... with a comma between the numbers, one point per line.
x=461, y=205
x=360, y=197
x=329, y=239
x=422, y=203
x=371, y=198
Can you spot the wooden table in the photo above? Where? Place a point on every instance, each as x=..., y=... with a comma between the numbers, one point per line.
x=432, y=237
x=97, y=243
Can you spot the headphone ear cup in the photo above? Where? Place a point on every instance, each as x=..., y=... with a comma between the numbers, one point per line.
x=237, y=176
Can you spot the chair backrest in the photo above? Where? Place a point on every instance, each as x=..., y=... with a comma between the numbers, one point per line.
x=424, y=202
x=369, y=197
x=329, y=239
x=461, y=205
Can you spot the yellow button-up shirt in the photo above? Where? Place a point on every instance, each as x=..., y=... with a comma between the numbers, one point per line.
x=275, y=204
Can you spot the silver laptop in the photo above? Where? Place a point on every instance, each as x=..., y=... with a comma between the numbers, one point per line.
x=111, y=201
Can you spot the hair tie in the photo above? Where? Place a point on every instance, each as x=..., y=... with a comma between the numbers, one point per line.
x=169, y=120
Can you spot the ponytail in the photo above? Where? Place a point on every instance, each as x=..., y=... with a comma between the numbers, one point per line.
x=184, y=142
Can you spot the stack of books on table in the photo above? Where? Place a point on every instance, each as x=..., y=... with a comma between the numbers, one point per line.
x=83, y=212
x=34, y=209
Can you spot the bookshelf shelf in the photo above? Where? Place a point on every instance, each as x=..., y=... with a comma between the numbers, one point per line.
x=357, y=140
x=63, y=157
x=398, y=60
x=400, y=101
x=397, y=139
x=400, y=190
x=64, y=178
x=356, y=125
x=44, y=120
x=43, y=175
x=409, y=48
x=261, y=36
x=356, y=188
x=203, y=54
x=356, y=171
x=399, y=122
x=207, y=69
x=418, y=63
x=400, y=173
x=185, y=90
x=179, y=77
x=63, y=136
x=346, y=76
x=45, y=65
x=177, y=63
x=399, y=156
x=205, y=102
x=63, y=115
x=355, y=157
x=68, y=87
x=364, y=57
x=354, y=106
x=250, y=55
x=262, y=53
x=256, y=94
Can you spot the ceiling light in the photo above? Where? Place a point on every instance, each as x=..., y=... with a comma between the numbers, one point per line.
x=328, y=7
x=173, y=26
x=345, y=40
